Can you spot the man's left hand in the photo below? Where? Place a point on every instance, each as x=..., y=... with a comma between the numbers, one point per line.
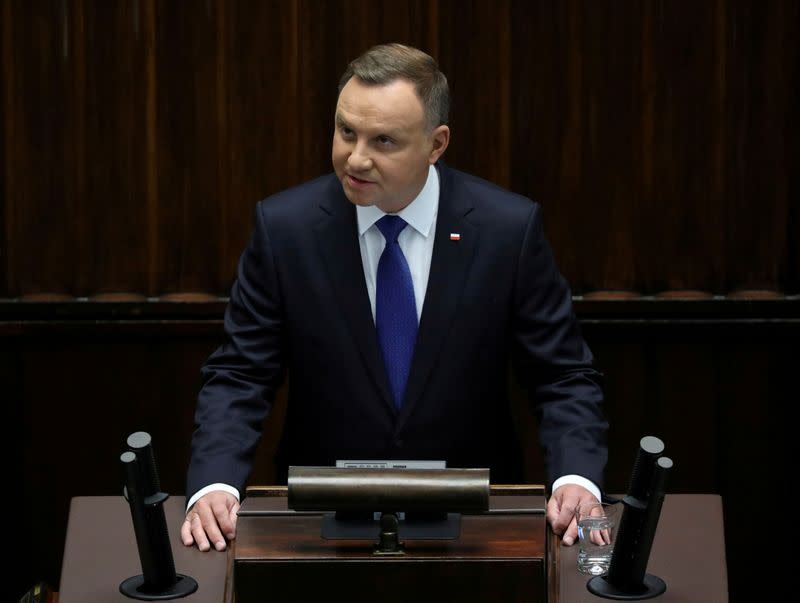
x=561, y=510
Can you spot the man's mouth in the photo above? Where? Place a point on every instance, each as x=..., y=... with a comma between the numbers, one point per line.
x=354, y=181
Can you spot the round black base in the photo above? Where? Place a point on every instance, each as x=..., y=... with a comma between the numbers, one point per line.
x=185, y=585
x=653, y=586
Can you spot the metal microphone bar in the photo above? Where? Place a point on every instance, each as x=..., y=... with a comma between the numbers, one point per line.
x=370, y=489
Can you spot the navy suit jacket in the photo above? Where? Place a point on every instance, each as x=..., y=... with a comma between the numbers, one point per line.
x=300, y=303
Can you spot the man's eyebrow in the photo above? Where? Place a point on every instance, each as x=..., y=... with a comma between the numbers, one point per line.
x=341, y=122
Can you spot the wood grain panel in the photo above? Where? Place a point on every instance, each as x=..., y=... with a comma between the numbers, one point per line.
x=682, y=208
x=38, y=175
x=120, y=212
x=660, y=137
x=474, y=54
x=5, y=108
x=574, y=148
x=764, y=93
x=261, y=76
x=191, y=133
x=282, y=550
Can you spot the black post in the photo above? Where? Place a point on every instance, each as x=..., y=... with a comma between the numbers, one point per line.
x=627, y=579
x=158, y=580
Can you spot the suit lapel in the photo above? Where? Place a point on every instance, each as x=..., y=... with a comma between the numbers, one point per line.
x=449, y=267
x=337, y=236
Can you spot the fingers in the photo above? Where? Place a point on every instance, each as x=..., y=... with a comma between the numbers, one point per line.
x=225, y=518
x=551, y=513
x=186, y=532
x=208, y=532
x=600, y=537
x=560, y=515
x=198, y=529
x=210, y=521
x=571, y=533
x=566, y=518
x=233, y=516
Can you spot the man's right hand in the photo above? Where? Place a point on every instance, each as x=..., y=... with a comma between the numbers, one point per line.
x=212, y=519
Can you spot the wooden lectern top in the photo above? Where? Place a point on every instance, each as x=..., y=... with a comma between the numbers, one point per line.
x=688, y=553
x=101, y=552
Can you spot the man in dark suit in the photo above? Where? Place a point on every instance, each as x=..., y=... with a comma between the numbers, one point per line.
x=396, y=292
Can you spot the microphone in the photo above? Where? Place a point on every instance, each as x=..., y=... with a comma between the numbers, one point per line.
x=141, y=444
x=650, y=448
x=158, y=580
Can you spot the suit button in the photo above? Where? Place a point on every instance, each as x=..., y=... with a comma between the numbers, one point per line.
x=398, y=443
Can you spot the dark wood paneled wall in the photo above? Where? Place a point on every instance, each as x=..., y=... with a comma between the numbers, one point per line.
x=662, y=137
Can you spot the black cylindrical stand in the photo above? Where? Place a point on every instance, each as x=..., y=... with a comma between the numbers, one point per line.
x=158, y=581
x=626, y=579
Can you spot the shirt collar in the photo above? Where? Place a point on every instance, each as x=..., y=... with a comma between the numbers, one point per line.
x=419, y=214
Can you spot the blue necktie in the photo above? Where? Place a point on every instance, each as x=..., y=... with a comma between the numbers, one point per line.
x=395, y=308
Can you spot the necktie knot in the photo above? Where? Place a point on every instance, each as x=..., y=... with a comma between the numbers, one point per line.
x=391, y=227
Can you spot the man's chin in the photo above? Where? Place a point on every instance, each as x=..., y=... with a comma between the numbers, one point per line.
x=358, y=199
x=360, y=202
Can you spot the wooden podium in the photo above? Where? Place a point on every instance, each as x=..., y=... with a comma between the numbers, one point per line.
x=499, y=556
x=688, y=553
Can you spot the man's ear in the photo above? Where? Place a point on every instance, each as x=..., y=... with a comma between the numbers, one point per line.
x=440, y=138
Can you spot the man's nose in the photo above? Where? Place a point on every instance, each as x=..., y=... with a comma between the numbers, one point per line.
x=359, y=159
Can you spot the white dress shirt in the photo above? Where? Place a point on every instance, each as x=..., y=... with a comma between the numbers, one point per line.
x=416, y=239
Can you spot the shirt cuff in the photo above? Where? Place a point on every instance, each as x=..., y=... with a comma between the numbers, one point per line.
x=211, y=488
x=578, y=481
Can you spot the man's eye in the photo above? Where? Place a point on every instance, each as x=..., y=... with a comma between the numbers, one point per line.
x=385, y=140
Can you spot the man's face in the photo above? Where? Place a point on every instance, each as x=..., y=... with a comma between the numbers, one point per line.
x=382, y=146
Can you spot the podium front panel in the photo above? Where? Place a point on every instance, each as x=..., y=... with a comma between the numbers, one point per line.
x=499, y=557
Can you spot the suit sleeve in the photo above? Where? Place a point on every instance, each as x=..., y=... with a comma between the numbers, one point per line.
x=240, y=378
x=554, y=362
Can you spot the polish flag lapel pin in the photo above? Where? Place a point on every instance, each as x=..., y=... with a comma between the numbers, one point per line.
x=455, y=236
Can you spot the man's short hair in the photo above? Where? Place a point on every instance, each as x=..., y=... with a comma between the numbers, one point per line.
x=386, y=63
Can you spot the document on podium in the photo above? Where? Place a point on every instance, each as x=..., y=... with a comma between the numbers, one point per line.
x=392, y=464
